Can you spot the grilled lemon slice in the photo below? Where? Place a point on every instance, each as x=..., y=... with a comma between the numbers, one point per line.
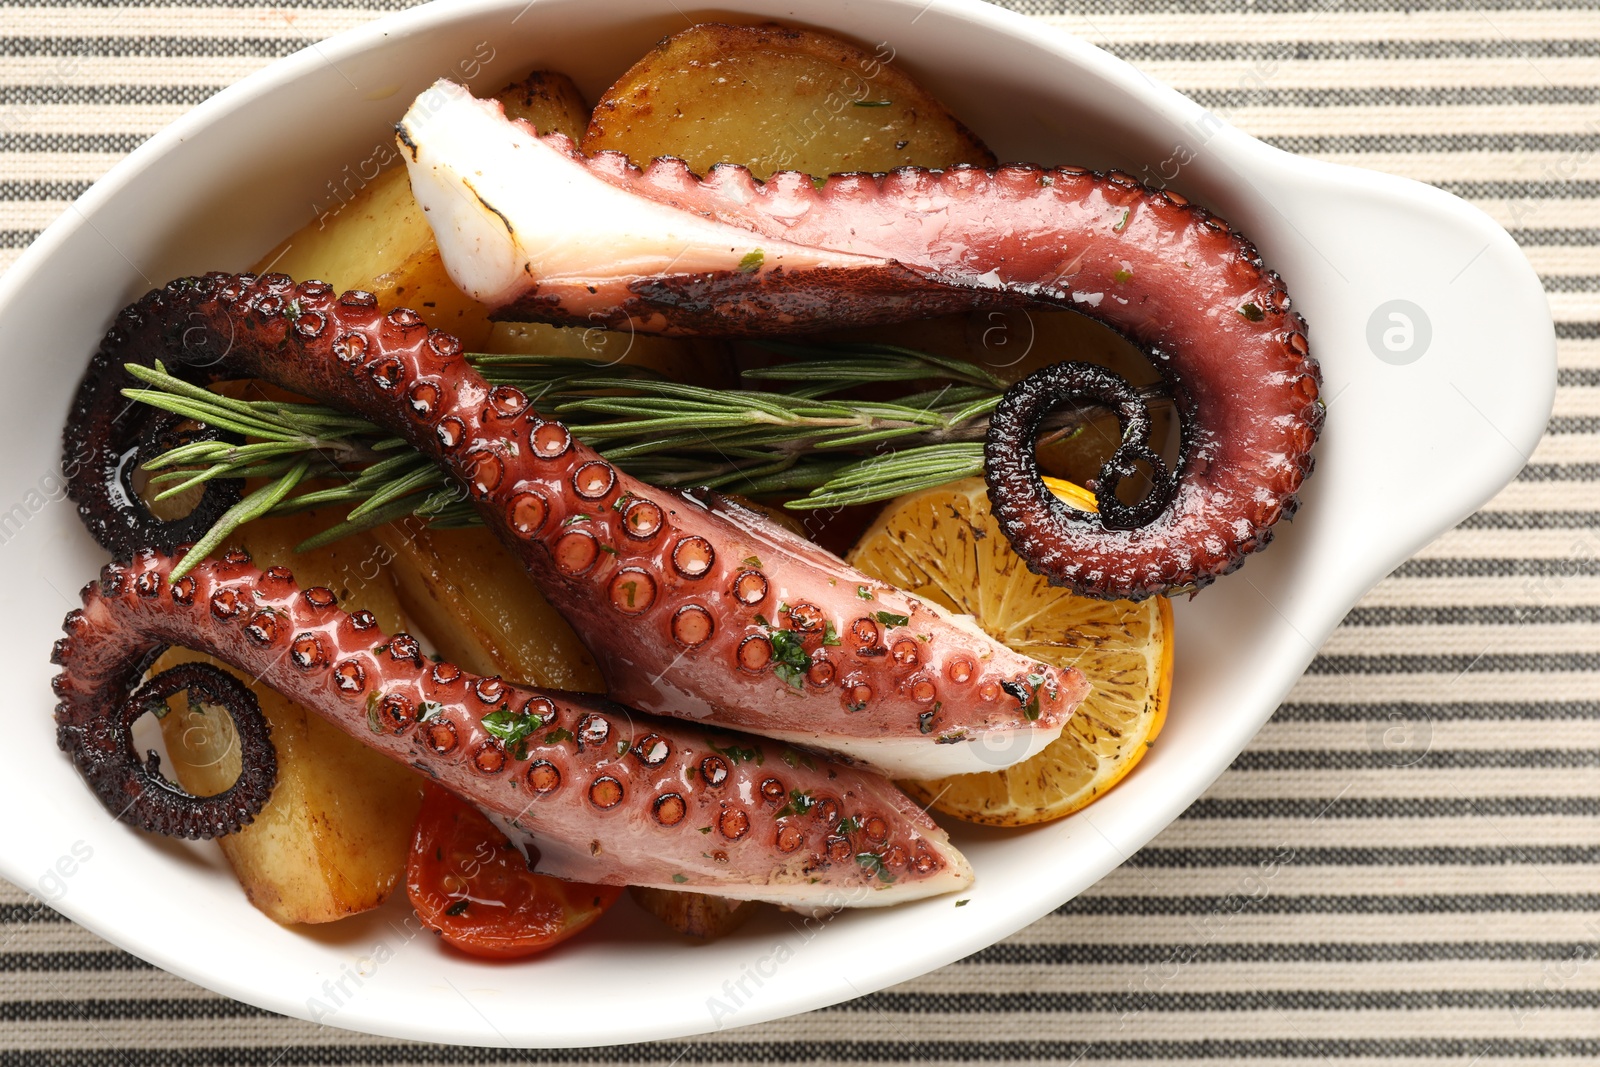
x=943, y=545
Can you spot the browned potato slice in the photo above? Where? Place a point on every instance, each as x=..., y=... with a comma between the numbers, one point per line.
x=478, y=606
x=373, y=235
x=549, y=102
x=773, y=98
x=332, y=839
x=694, y=914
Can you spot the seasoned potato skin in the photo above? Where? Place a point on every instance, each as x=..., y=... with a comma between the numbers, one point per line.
x=474, y=601
x=774, y=98
x=547, y=101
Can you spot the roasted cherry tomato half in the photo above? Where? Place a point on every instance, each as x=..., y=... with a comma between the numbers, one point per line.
x=472, y=885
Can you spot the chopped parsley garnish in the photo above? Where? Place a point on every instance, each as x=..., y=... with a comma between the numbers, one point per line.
x=1122, y=223
x=373, y=723
x=889, y=618
x=863, y=592
x=963, y=902
x=799, y=803
x=559, y=734
x=1252, y=312
x=798, y=759
x=680, y=879
x=848, y=825
x=1121, y=276
x=874, y=865
x=830, y=636
x=430, y=710
x=751, y=561
x=737, y=753
x=512, y=728
x=790, y=660
x=751, y=261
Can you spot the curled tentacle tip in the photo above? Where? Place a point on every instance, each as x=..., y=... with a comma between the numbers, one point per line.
x=135, y=791
x=1054, y=538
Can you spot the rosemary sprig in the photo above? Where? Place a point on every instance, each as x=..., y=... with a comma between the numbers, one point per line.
x=796, y=433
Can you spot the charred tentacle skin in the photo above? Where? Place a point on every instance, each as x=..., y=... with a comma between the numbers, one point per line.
x=107, y=437
x=609, y=795
x=1012, y=468
x=695, y=607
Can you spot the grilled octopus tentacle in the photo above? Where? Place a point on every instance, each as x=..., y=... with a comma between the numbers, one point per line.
x=693, y=606
x=607, y=795
x=663, y=250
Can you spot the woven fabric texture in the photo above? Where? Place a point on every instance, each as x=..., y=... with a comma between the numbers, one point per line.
x=1441, y=906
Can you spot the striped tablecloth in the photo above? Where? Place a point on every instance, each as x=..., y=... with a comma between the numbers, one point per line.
x=1443, y=907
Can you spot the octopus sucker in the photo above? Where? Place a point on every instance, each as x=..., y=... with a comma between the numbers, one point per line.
x=688, y=601
x=580, y=769
x=727, y=254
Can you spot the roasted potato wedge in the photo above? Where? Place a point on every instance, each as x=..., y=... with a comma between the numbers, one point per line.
x=773, y=98
x=332, y=839
x=477, y=605
x=547, y=101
